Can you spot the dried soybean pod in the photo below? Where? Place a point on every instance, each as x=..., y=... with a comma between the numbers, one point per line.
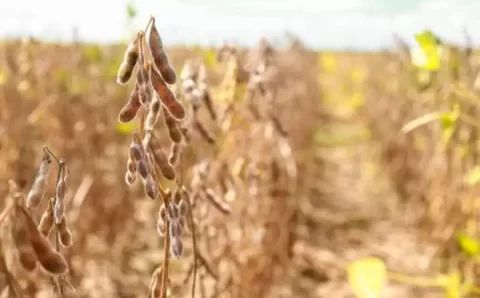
x=136, y=152
x=131, y=165
x=177, y=196
x=143, y=81
x=217, y=202
x=161, y=227
x=167, y=97
x=153, y=113
x=38, y=188
x=156, y=283
x=203, y=132
x=66, y=238
x=183, y=207
x=172, y=211
x=161, y=159
x=173, y=131
x=175, y=229
x=151, y=188
x=24, y=251
x=144, y=89
x=52, y=262
x=27, y=259
x=127, y=66
x=174, y=154
x=176, y=247
x=59, y=207
x=143, y=169
x=185, y=133
x=130, y=178
x=203, y=86
x=159, y=55
x=130, y=110
x=162, y=212
x=47, y=220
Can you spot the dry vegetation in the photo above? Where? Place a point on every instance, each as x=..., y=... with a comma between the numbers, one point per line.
x=232, y=172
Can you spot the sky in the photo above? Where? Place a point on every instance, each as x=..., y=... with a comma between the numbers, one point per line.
x=337, y=24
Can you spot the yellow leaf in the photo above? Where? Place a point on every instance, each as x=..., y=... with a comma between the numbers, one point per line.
x=367, y=277
x=328, y=62
x=127, y=128
x=209, y=58
x=431, y=50
x=473, y=176
x=469, y=245
x=452, y=284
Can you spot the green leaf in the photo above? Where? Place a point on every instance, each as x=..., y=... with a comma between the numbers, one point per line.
x=431, y=49
x=367, y=277
x=131, y=11
x=473, y=176
x=448, y=121
x=469, y=246
x=126, y=128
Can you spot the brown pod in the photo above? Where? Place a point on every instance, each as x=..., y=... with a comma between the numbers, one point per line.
x=176, y=247
x=173, y=131
x=156, y=283
x=161, y=227
x=202, y=131
x=51, y=261
x=59, y=206
x=177, y=196
x=161, y=159
x=159, y=56
x=175, y=108
x=153, y=113
x=136, y=152
x=66, y=238
x=183, y=207
x=24, y=251
x=209, y=103
x=143, y=169
x=172, y=211
x=174, y=154
x=46, y=223
x=127, y=66
x=162, y=212
x=144, y=91
x=35, y=195
x=130, y=110
x=131, y=165
x=217, y=202
x=175, y=229
x=151, y=188
x=27, y=258
x=130, y=178
x=185, y=133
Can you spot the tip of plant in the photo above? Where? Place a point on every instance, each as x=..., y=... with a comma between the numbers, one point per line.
x=119, y=81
